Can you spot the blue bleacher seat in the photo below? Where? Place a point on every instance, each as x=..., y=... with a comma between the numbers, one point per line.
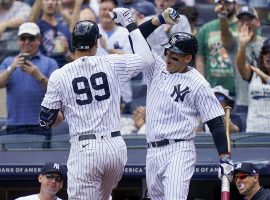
x=60, y=136
x=22, y=141
x=61, y=129
x=251, y=139
x=60, y=141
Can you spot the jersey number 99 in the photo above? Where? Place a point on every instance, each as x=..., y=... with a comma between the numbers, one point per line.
x=81, y=86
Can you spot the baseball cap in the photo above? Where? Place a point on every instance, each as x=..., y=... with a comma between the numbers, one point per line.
x=246, y=167
x=266, y=45
x=216, y=1
x=53, y=167
x=29, y=28
x=221, y=90
x=145, y=7
x=247, y=10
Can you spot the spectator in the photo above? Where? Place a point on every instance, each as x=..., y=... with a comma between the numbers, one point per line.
x=134, y=124
x=235, y=124
x=25, y=77
x=258, y=119
x=51, y=181
x=249, y=48
x=262, y=7
x=229, y=40
x=12, y=15
x=139, y=119
x=213, y=61
x=192, y=14
x=78, y=10
x=246, y=179
x=56, y=38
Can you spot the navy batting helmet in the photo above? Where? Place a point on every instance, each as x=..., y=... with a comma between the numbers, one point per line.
x=85, y=35
x=183, y=43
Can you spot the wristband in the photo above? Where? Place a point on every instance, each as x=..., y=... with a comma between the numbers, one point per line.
x=161, y=19
x=131, y=27
x=9, y=69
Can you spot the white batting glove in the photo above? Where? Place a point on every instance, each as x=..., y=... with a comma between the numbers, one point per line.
x=122, y=16
x=226, y=168
x=170, y=16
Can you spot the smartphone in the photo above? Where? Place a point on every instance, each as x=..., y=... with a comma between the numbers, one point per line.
x=26, y=57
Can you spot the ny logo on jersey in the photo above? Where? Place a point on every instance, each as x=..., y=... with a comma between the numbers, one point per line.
x=180, y=94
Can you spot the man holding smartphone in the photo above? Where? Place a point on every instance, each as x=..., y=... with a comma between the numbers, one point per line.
x=25, y=77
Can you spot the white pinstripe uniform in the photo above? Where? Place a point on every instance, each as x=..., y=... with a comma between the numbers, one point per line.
x=117, y=40
x=174, y=104
x=88, y=92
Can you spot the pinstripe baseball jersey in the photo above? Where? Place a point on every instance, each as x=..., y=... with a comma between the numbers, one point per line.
x=88, y=91
x=117, y=39
x=176, y=101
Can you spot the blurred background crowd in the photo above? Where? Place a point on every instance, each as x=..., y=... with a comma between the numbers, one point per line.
x=234, y=56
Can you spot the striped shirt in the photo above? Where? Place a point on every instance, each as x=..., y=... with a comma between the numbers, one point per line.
x=176, y=101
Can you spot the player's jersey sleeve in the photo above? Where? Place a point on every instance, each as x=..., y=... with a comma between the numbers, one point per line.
x=208, y=105
x=159, y=64
x=126, y=65
x=53, y=96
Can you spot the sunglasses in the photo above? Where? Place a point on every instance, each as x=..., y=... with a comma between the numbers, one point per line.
x=30, y=38
x=241, y=176
x=57, y=178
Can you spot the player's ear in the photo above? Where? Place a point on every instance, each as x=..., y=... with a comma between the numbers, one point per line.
x=188, y=58
x=40, y=178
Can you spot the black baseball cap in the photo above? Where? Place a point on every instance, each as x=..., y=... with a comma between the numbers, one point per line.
x=53, y=167
x=248, y=168
x=266, y=45
x=247, y=10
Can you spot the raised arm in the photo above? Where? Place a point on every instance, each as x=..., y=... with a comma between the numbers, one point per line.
x=226, y=34
x=35, y=12
x=124, y=17
x=244, y=38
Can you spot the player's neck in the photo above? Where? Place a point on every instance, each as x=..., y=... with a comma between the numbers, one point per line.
x=79, y=54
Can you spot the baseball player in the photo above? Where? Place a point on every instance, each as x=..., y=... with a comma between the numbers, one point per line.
x=177, y=95
x=87, y=91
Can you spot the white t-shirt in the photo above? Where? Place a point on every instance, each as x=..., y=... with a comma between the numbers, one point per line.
x=32, y=197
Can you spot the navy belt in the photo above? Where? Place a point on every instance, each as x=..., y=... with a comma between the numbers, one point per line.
x=162, y=143
x=93, y=136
